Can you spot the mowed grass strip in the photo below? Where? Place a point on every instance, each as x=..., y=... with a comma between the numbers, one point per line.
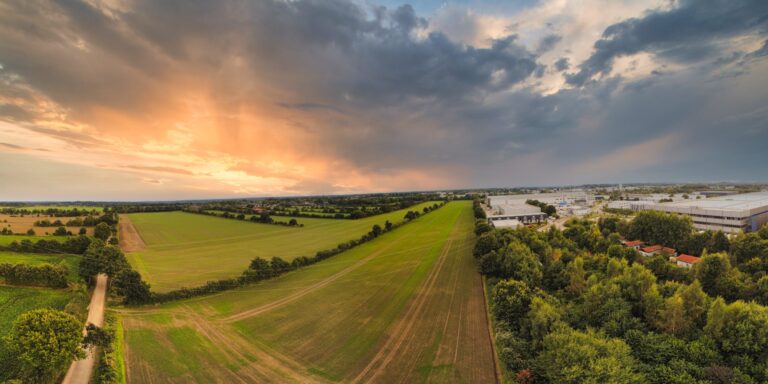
x=330, y=332
x=186, y=250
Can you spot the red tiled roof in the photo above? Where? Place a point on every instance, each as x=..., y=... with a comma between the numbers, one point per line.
x=668, y=250
x=688, y=259
x=633, y=243
x=652, y=248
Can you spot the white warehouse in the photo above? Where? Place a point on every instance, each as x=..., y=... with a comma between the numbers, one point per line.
x=733, y=213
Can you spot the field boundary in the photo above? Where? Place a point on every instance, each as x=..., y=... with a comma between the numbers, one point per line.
x=491, y=337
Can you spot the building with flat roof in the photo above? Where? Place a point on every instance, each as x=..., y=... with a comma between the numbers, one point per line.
x=732, y=213
x=513, y=207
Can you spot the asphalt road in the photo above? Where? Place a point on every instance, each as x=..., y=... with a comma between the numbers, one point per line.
x=80, y=371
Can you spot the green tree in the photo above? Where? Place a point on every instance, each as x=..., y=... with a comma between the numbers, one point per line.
x=30, y=232
x=44, y=342
x=82, y=231
x=511, y=302
x=577, y=277
x=128, y=283
x=575, y=357
x=739, y=328
x=522, y=264
x=102, y=231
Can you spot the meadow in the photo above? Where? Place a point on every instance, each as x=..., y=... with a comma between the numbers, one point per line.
x=405, y=307
x=71, y=261
x=182, y=249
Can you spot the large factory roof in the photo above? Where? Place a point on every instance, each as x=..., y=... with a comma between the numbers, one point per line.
x=746, y=201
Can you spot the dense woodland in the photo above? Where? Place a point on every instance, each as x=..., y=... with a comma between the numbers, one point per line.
x=575, y=306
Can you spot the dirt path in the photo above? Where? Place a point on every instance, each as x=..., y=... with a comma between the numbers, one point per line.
x=130, y=240
x=80, y=371
x=443, y=334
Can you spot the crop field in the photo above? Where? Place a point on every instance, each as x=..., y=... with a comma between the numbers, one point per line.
x=20, y=224
x=176, y=249
x=71, y=261
x=406, y=307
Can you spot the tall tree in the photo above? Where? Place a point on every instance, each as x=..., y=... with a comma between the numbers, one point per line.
x=44, y=342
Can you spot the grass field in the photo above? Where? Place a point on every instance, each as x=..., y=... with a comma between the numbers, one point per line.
x=71, y=261
x=184, y=249
x=406, y=307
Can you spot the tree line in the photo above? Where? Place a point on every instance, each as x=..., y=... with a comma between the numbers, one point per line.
x=262, y=218
x=575, y=306
x=43, y=275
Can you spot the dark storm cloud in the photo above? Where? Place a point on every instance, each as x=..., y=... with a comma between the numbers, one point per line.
x=548, y=42
x=689, y=32
x=379, y=89
x=562, y=64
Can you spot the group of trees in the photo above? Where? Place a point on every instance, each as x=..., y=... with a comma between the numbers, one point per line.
x=110, y=260
x=337, y=207
x=42, y=343
x=262, y=218
x=74, y=245
x=50, y=212
x=43, y=275
x=574, y=306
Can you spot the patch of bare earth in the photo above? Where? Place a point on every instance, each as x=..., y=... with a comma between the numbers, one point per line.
x=130, y=240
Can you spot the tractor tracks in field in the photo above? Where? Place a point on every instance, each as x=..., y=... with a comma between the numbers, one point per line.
x=402, y=331
x=312, y=288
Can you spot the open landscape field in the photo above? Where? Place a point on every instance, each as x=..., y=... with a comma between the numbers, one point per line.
x=177, y=249
x=406, y=307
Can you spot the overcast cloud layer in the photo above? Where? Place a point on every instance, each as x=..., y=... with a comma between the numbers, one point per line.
x=136, y=99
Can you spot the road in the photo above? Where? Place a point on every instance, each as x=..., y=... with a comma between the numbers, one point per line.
x=80, y=371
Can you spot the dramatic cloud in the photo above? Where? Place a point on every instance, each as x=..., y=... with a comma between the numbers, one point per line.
x=181, y=99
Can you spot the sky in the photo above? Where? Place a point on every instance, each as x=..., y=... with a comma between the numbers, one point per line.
x=183, y=99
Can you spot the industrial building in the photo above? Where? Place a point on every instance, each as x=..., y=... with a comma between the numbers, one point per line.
x=512, y=211
x=731, y=213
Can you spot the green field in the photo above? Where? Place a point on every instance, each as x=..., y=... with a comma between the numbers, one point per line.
x=71, y=261
x=404, y=304
x=185, y=249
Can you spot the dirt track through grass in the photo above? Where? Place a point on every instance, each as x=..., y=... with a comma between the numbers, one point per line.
x=130, y=240
x=329, y=321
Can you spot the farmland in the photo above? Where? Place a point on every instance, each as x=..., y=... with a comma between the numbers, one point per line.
x=405, y=307
x=177, y=249
x=20, y=224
